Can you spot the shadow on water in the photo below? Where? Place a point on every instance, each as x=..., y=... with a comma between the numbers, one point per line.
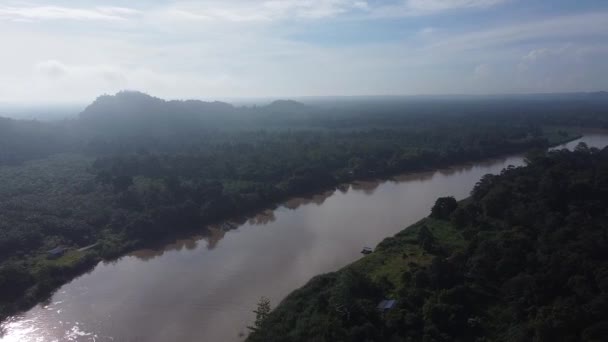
x=318, y=199
x=177, y=245
x=368, y=187
x=214, y=233
x=265, y=217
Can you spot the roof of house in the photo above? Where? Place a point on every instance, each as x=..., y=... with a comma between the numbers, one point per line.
x=386, y=304
x=57, y=250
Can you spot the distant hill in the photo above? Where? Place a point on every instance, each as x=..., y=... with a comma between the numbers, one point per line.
x=286, y=106
x=139, y=113
x=132, y=113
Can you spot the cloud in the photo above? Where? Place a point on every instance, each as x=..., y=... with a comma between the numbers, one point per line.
x=482, y=71
x=562, y=27
x=214, y=48
x=243, y=10
x=37, y=13
x=409, y=8
x=271, y=10
x=564, y=55
x=567, y=67
x=427, y=31
x=317, y=9
x=58, y=81
x=443, y=5
x=569, y=52
x=312, y=9
x=51, y=69
x=537, y=54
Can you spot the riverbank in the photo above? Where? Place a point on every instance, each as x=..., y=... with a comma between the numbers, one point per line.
x=62, y=270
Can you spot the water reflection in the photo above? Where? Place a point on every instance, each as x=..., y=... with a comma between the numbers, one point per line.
x=216, y=232
x=343, y=188
x=214, y=237
x=265, y=217
x=368, y=187
x=318, y=199
x=177, y=245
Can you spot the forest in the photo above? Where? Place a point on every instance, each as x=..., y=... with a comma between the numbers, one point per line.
x=133, y=169
x=524, y=258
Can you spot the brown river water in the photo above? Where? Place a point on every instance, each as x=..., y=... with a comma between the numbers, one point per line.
x=204, y=288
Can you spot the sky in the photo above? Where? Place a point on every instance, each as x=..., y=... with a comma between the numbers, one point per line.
x=74, y=51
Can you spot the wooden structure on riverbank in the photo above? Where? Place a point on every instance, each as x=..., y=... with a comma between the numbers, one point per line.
x=367, y=250
x=56, y=252
x=386, y=305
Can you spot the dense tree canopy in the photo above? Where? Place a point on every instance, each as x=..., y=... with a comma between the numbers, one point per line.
x=444, y=206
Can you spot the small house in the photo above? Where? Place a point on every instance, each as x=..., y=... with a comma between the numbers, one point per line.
x=56, y=252
x=367, y=250
x=386, y=305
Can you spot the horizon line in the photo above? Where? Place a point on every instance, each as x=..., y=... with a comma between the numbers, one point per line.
x=284, y=97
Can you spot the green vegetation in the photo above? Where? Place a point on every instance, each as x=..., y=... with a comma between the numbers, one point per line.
x=261, y=313
x=133, y=169
x=525, y=258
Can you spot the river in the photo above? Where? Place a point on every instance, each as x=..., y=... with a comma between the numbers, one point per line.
x=203, y=288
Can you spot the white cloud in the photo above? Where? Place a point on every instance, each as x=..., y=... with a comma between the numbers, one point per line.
x=410, y=8
x=482, y=71
x=57, y=81
x=251, y=11
x=563, y=27
x=427, y=31
x=569, y=52
x=34, y=13
x=247, y=48
x=565, y=67
x=312, y=9
x=536, y=54
x=51, y=69
x=566, y=55
x=443, y=5
x=242, y=10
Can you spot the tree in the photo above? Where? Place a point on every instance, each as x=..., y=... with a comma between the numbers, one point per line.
x=443, y=207
x=534, y=155
x=581, y=147
x=261, y=313
x=459, y=218
x=426, y=239
x=122, y=183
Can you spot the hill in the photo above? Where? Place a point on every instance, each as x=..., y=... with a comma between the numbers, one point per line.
x=525, y=258
x=135, y=113
x=283, y=106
